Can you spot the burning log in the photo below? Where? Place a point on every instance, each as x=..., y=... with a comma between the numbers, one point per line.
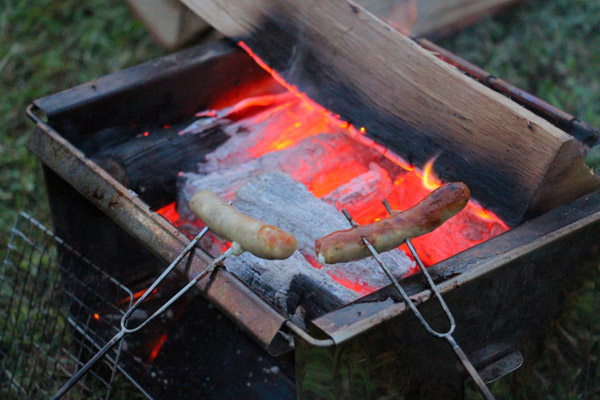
x=149, y=162
x=346, y=59
x=282, y=133
x=313, y=161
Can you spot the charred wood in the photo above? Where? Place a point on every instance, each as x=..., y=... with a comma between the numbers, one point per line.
x=516, y=163
x=149, y=162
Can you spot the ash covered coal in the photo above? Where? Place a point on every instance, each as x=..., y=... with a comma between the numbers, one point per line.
x=315, y=161
x=337, y=167
x=277, y=199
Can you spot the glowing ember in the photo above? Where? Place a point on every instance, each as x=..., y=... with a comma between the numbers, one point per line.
x=474, y=223
x=344, y=167
x=157, y=346
x=140, y=293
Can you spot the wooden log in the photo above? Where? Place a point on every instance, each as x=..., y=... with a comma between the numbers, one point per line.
x=434, y=17
x=149, y=162
x=357, y=66
x=299, y=285
x=293, y=285
x=168, y=21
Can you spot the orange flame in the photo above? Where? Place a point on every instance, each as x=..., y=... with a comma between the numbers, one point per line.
x=429, y=179
x=286, y=120
x=139, y=293
x=427, y=175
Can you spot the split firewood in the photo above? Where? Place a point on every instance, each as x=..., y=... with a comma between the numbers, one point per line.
x=299, y=286
x=344, y=58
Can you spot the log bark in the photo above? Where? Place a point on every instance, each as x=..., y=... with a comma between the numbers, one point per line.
x=351, y=62
x=149, y=162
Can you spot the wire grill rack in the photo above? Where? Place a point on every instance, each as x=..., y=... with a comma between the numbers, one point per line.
x=58, y=309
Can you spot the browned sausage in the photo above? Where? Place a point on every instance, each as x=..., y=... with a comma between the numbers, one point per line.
x=389, y=233
x=246, y=233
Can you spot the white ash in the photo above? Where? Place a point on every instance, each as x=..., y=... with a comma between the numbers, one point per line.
x=373, y=185
x=278, y=200
x=311, y=156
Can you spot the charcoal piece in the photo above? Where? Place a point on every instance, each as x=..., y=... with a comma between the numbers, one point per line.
x=286, y=285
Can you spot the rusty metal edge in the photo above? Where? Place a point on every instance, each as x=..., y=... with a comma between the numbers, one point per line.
x=583, y=132
x=250, y=312
x=372, y=317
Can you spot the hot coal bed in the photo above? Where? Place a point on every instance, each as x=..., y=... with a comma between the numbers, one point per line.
x=123, y=154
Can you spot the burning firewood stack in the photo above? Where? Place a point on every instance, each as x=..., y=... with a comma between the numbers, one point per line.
x=290, y=163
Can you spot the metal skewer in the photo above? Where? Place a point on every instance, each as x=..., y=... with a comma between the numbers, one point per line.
x=125, y=330
x=460, y=354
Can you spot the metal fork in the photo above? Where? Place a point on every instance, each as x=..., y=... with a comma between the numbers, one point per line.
x=460, y=354
x=125, y=330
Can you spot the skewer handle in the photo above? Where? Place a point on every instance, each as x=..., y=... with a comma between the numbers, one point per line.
x=464, y=360
x=91, y=362
x=124, y=330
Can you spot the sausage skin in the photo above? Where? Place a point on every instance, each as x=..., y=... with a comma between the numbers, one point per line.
x=246, y=233
x=387, y=234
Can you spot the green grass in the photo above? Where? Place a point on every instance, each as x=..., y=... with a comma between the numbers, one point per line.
x=47, y=46
x=549, y=48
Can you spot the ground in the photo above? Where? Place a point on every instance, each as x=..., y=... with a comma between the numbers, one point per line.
x=549, y=48
x=45, y=47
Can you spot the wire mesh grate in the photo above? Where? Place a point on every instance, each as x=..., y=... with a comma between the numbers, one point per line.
x=58, y=309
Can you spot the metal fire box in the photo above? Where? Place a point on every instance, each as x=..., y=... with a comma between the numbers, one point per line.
x=502, y=292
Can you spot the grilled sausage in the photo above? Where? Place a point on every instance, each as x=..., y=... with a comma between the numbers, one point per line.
x=389, y=233
x=246, y=233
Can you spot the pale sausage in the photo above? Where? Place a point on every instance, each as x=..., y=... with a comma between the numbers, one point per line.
x=246, y=233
